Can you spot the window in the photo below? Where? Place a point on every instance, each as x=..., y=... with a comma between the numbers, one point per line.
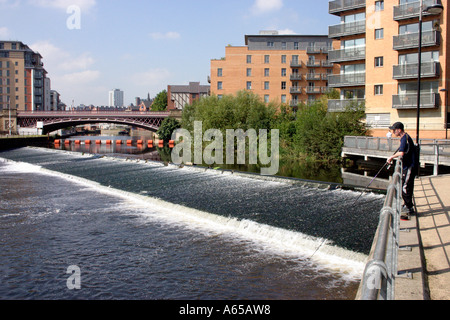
x=283, y=72
x=379, y=5
x=249, y=59
x=295, y=45
x=283, y=46
x=249, y=85
x=266, y=72
x=266, y=98
x=283, y=85
x=219, y=72
x=283, y=98
x=270, y=44
x=249, y=72
x=414, y=27
x=219, y=85
x=379, y=33
x=266, y=59
x=266, y=85
x=378, y=61
x=283, y=59
x=378, y=90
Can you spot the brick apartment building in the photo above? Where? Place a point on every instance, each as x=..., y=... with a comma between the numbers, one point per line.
x=23, y=78
x=282, y=68
x=376, y=47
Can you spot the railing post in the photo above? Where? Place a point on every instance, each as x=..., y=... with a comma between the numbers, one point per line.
x=436, y=158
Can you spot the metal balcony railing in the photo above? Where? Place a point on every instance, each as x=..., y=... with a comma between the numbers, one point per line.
x=313, y=76
x=296, y=77
x=295, y=90
x=411, y=40
x=347, y=29
x=409, y=100
x=313, y=90
x=350, y=54
x=313, y=64
x=411, y=10
x=338, y=6
x=337, y=105
x=346, y=80
x=296, y=64
x=410, y=70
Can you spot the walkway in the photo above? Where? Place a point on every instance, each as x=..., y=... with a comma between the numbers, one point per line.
x=424, y=258
x=432, y=198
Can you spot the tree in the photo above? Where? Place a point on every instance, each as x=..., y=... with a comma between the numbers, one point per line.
x=160, y=102
x=168, y=126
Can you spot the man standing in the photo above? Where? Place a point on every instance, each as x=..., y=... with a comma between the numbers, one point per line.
x=408, y=152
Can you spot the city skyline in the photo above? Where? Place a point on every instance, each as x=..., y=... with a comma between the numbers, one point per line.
x=90, y=47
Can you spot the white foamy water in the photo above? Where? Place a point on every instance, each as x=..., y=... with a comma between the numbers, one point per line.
x=293, y=244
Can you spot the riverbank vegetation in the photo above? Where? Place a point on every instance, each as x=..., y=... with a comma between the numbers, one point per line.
x=308, y=133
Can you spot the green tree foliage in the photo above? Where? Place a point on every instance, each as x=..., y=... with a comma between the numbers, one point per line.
x=160, y=102
x=168, y=126
x=243, y=111
x=311, y=132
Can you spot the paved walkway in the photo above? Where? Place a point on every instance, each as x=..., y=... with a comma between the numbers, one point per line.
x=432, y=196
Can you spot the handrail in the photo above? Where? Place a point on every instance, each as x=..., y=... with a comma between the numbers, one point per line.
x=378, y=282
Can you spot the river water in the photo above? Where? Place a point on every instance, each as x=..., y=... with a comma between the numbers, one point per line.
x=142, y=230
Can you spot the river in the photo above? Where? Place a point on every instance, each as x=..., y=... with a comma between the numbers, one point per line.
x=145, y=230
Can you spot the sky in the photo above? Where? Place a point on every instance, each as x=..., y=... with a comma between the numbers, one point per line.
x=90, y=47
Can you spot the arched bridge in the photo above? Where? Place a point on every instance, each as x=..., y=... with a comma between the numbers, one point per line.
x=55, y=120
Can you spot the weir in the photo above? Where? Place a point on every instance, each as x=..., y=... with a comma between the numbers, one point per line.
x=294, y=215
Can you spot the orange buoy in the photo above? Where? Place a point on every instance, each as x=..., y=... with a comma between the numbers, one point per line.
x=171, y=144
x=140, y=142
x=119, y=142
x=67, y=142
x=57, y=141
x=129, y=142
x=98, y=142
x=150, y=143
x=77, y=141
x=87, y=141
x=161, y=143
x=108, y=141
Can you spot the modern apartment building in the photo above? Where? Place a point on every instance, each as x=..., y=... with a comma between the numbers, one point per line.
x=116, y=98
x=376, y=45
x=22, y=77
x=282, y=68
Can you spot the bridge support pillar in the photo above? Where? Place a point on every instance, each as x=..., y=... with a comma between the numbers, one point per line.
x=8, y=120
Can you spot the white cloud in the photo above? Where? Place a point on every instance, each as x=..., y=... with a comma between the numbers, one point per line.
x=4, y=33
x=151, y=77
x=57, y=59
x=167, y=35
x=78, y=78
x=286, y=31
x=85, y=5
x=264, y=6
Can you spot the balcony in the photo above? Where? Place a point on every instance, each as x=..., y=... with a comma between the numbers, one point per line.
x=347, y=80
x=296, y=64
x=410, y=70
x=295, y=90
x=338, y=6
x=327, y=64
x=347, y=29
x=411, y=10
x=341, y=105
x=313, y=76
x=313, y=90
x=351, y=54
x=409, y=101
x=411, y=40
x=296, y=77
x=313, y=64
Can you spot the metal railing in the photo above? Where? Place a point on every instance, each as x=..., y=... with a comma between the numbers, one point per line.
x=378, y=282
